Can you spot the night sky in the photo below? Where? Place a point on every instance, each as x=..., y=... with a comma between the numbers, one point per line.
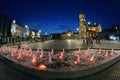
x=56, y=16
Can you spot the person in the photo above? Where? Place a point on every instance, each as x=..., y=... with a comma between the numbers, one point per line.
x=87, y=41
x=19, y=45
x=83, y=41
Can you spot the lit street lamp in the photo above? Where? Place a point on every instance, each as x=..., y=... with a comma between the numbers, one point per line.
x=77, y=30
x=69, y=34
x=13, y=30
x=26, y=32
x=39, y=31
x=46, y=33
x=38, y=34
x=89, y=23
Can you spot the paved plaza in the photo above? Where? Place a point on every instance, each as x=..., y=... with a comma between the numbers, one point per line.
x=112, y=73
x=74, y=44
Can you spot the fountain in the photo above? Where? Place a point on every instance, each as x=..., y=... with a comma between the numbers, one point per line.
x=34, y=60
x=61, y=61
x=78, y=57
x=42, y=67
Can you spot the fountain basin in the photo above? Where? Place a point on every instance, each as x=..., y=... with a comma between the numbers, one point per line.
x=59, y=74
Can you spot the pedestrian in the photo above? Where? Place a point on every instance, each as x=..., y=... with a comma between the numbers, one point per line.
x=83, y=41
x=87, y=41
x=19, y=45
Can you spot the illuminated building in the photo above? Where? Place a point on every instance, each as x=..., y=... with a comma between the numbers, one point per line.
x=19, y=33
x=66, y=35
x=34, y=35
x=86, y=29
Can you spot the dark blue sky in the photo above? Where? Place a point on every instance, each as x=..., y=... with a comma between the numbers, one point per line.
x=54, y=16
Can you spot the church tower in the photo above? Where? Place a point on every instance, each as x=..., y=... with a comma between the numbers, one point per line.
x=83, y=25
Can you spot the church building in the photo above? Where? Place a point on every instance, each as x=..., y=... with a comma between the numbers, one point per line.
x=86, y=29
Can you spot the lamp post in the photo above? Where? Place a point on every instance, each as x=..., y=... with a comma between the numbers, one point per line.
x=46, y=33
x=38, y=35
x=77, y=30
x=13, y=30
x=26, y=32
x=40, y=32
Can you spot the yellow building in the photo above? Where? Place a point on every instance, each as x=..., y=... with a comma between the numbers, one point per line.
x=66, y=35
x=87, y=30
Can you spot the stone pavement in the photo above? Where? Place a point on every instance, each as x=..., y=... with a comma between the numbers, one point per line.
x=74, y=44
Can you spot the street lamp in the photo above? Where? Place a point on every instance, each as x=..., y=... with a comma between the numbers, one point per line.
x=26, y=33
x=89, y=23
x=14, y=21
x=94, y=23
x=39, y=31
x=77, y=30
x=13, y=30
x=46, y=33
x=38, y=34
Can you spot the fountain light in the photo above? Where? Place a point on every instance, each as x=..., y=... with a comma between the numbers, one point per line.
x=99, y=51
x=78, y=51
x=75, y=62
x=60, y=58
x=63, y=51
x=88, y=51
x=112, y=52
x=3, y=50
x=8, y=49
x=19, y=56
x=12, y=54
x=106, y=54
x=25, y=53
x=37, y=50
x=30, y=50
x=92, y=59
x=42, y=67
x=78, y=57
x=52, y=52
x=50, y=59
x=34, y=60
x=41, y=54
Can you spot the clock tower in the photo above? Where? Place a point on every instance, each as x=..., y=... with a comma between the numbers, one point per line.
x=83, y=25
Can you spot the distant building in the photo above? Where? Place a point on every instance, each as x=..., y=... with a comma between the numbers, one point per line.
x=34, y=34
x=86, y=29
x=112, y=33
x=66, y=35
x=5, y=28
x=56, y=36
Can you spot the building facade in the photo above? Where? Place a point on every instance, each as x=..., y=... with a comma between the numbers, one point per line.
x=87, y=30
x=18, y=32
x=5, y=28
x=67, y=35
